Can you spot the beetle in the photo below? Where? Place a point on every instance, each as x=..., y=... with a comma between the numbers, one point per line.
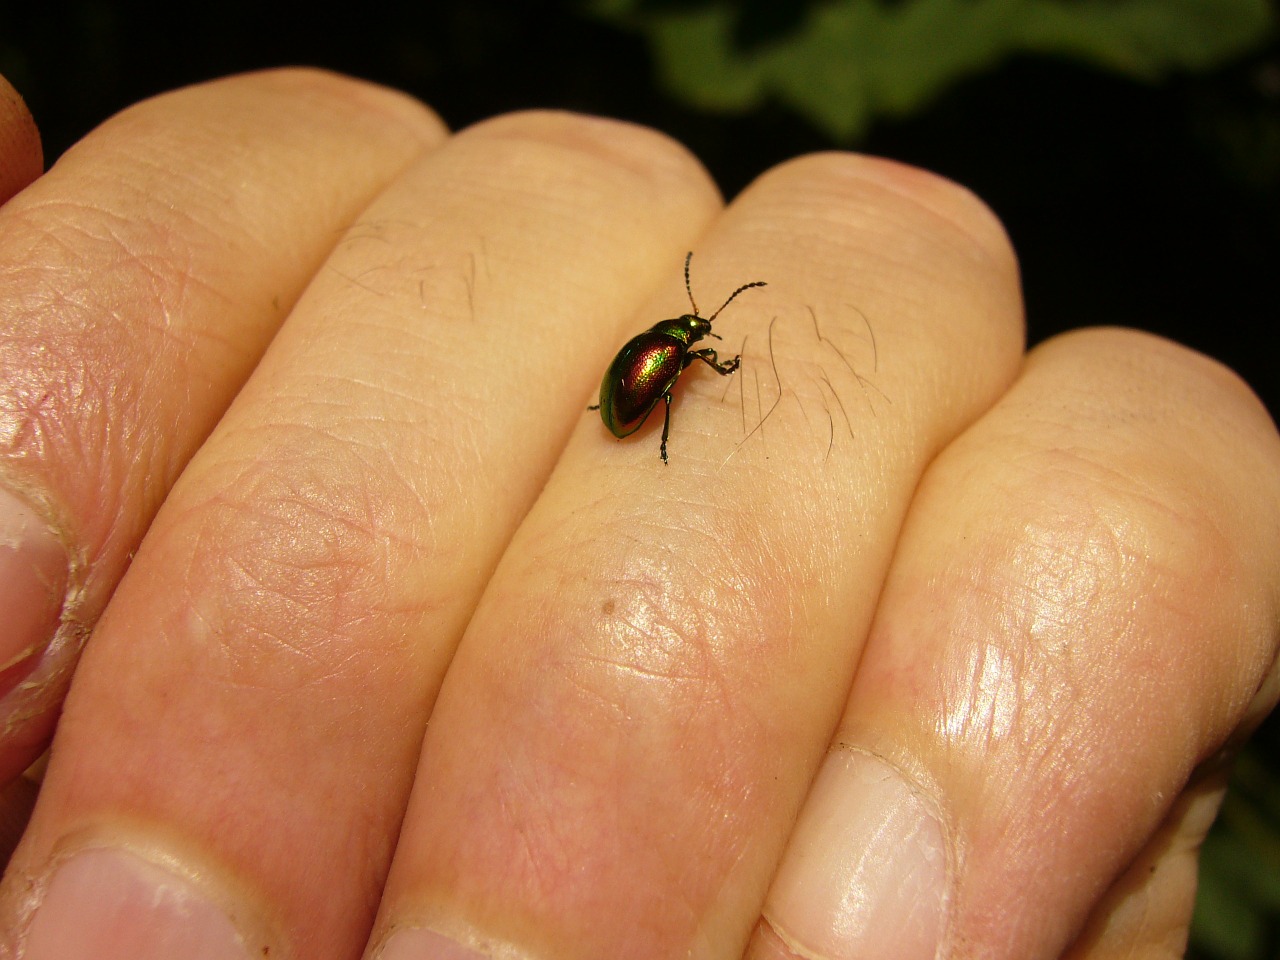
x=648, y=366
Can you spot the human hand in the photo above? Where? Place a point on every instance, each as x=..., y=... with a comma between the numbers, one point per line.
x=1008, y=611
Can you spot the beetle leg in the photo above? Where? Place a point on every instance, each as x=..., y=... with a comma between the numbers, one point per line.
x=666, y=425
x=709, y=357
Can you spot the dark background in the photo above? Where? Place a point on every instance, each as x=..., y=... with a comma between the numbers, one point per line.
x=1147, y=202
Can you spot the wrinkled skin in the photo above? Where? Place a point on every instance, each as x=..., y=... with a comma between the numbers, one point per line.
x=360, y=636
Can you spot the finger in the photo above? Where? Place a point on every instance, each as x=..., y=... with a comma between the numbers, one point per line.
x=243, y=730
x=1146, y=911
x=142, y=278
x=1082, y=609
x=634, y=712
x=21, y=158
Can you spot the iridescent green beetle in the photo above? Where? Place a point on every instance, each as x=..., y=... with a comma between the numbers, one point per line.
x=645, y=370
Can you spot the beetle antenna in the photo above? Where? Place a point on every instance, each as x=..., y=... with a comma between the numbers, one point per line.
x=745, y=286
x=687, y=288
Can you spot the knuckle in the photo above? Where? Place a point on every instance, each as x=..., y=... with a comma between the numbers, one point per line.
x=1114, y=569
x=1105, y=590
x=1169, y=381
x=89, y=301
x=898, y=197
x=350, y=93
x=306, y=546
x=609, y=148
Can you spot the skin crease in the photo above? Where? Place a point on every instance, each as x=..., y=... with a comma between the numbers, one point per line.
x=1041, y=588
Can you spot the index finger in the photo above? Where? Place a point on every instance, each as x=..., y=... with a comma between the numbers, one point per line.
x=142, y=278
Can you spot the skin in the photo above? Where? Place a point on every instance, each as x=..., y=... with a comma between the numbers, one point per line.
x=21, y=158
x=354, y=486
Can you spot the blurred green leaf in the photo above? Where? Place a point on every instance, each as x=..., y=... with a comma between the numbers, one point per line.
x=847, y=61
x=1237, y=914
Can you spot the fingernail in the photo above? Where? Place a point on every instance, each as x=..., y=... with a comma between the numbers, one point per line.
x=108, y=905
x=425, y=945
x=865, y=873
x=33, y=582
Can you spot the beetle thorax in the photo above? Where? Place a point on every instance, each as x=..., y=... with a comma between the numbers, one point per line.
x=687, y=328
